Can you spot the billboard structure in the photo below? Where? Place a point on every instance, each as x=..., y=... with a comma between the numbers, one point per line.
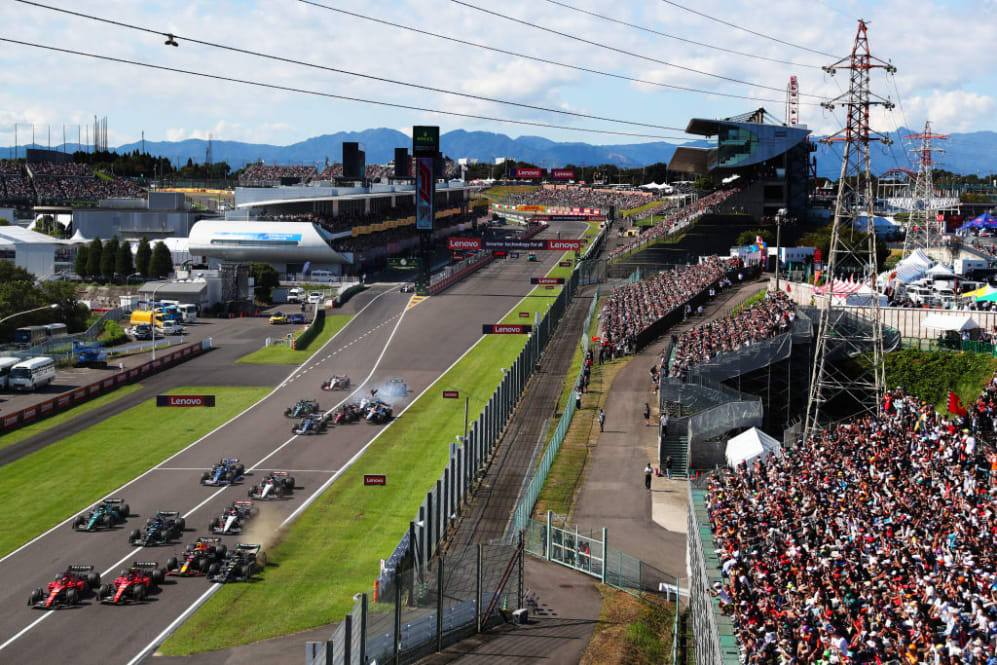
x=562, y=174
x=527, y=173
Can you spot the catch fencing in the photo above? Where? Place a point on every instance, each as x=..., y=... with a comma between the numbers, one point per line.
x=69, y=399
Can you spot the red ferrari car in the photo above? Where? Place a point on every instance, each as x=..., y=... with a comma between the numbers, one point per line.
x=66, y=589
x=133, y=584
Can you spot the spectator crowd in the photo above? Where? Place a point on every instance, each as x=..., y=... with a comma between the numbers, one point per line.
x=763, y=320
x=575, y=197
x=633, y=307
x=52, y=183
x=871, y=542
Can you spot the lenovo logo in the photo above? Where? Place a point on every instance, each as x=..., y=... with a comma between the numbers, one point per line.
x=464, y=243
x=185, y=400
x=564, y=245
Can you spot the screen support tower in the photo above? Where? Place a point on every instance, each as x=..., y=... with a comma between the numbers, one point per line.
x=923, y=227
x=852, y=255
x=793, y=102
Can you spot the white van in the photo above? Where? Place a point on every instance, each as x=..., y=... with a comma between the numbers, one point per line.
x=32, y=374
x=295, y=295
x=189, y=312
x=6, y=363
x=320, y=276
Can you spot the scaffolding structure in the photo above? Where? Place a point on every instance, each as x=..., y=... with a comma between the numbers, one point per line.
x=848, y=363
x=793, y=102
x=924, y=229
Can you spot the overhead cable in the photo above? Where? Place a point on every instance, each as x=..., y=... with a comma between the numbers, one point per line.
x=712, y=47
x=748, y=30
x=639, y=56
x=546, y=61
x=372, y=77
x=329, y=95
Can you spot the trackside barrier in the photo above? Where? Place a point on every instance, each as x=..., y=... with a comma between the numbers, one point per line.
x=311, y=332
x=82, y=394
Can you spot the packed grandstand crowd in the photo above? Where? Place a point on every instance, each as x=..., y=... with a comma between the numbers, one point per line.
x=871, y=542
x=763, y=320
x=703, y=206
x=564, y=197
x=262, y=175
x=51, y=183
x=633, y=307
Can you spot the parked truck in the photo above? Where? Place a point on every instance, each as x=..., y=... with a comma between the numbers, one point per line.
x=145, y=316
x=89, y=355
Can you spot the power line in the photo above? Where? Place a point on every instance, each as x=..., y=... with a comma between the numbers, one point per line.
x=714, y=47
x=534, y=58
x=382, y=79
x=619, y=50
x=318, y=93
x=748, y=30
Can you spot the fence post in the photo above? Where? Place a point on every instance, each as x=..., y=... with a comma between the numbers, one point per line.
x=439, y=604
x=430, y=520
x=461, y=474
x=438, y=522
x=415, y=561
x=605, y=549
x=397, y=650
x=477, y=590
x=548, y=538
x=363, y=629
x=422, y=535
x=347, y=638
x=445, y=503
x=519, y=586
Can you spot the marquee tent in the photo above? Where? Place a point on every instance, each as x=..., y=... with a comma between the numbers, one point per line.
x=984, y=221
x=751, y=445
x=947, y=323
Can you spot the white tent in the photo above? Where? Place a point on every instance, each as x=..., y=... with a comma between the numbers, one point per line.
x=651, y=185
x=78, y=238
x=908, y=270
x=947, y=322
x=751, y=445
x=940, y=270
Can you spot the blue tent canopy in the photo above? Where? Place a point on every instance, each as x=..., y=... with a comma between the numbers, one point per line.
x=984, y=221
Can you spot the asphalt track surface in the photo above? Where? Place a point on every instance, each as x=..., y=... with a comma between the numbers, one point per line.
x=384, y=340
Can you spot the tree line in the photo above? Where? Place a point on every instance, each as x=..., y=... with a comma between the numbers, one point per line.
x=19, y=292
x=107, y=261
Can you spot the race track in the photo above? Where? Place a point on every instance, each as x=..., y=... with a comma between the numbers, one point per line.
x=384, y=340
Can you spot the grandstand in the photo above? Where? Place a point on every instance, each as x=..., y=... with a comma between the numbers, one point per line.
x=59, y=184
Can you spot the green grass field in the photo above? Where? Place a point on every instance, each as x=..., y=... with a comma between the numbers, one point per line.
x=285, y=355
x=350, y=524
x=62, y=479
x=497, y=194
x=640, y=209
x=48, y=423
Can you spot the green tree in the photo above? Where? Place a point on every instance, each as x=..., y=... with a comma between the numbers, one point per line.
x=123, y=260
x=4, y=221
x=143, y=255
x=748, y=237
x=93, y=257
x=265, y=278
x=80, y=267
x=107, y=258
x=161, y=263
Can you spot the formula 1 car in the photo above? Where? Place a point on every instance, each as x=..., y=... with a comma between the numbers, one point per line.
x=241, y=564
x=105, y=514
x=302, y=409
x=66, y=589
x=337, y=382
x=198, y=558
x=378, y=412
x=133, y=584
x=275, y=485
x=347, y=413
x=225, y=472
x=408, y=287
x=396, y=388
x=233, y=519
x=314, y=423
x=167, y=525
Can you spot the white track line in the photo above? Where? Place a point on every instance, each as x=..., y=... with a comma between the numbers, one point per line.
x=141, y=655
x=233, y=418
x=26, y=629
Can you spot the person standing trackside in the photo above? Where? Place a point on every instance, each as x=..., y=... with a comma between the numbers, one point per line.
x=578, y=398
x=602, y=420
x=647, y=414
x=648, y=472
x=668, y=466
x=663, y=421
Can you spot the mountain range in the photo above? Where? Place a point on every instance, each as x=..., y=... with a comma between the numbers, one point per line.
x=974, y=152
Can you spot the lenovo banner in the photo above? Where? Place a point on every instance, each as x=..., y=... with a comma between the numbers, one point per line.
x=528, y=173
x=546, y=280
x=506, y=329
x=375, y=479
x=463, y=243
x=564, y=245
x=477, y=243
x=562, y=174
x=568, y=218
x=451, y=394
x=185, y=400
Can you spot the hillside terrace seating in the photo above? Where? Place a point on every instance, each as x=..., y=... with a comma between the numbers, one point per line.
x=51, y=189
x=763, y=320
x=17, y=189
x=704, y=206
x=261, y=175
x=872, y=542
x=586, y=198
x=633, y=307
x=69, y=170
x=9, y=168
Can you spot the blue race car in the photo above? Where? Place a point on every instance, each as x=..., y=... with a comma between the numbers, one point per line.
x=105, y=514
x=225, y=472
x=313, y=423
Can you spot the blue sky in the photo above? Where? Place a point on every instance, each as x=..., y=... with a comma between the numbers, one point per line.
x=943, y=51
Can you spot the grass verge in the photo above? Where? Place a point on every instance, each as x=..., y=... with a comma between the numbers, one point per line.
x=931, y=374
x=102, y=458
x=758, y=297
x=631, y=631
x=285, y=355
x=640, y=209
x=48, y=423
x=349, y=524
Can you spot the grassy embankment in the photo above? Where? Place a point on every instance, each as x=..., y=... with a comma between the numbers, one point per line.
x=37, y=489
x=498, y=194
x=27, y=431
x=931, y=374
x=631, y=631
x=350, y=524
x=283, y=354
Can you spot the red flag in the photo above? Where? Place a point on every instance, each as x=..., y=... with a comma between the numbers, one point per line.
x=789, y=290
x=955, y=406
